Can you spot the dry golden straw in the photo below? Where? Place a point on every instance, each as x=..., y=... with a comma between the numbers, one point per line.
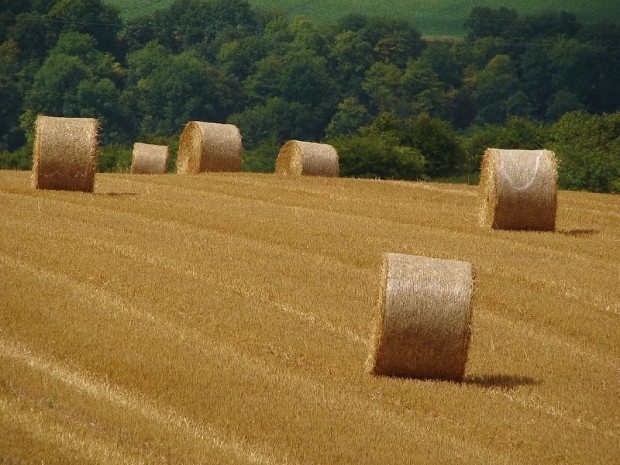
x=209, y=147
x=65, y=153
x=149, y=159
x=307, y=158
x=422, y=318
x=519, y=189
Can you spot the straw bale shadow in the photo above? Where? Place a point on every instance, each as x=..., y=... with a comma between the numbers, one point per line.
x=578, y=232
x=117, y=194
x=503, y=382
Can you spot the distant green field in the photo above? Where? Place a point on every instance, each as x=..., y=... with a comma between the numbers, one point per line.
x=431, y=17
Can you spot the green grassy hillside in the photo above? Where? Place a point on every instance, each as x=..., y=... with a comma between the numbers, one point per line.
x=431, y=17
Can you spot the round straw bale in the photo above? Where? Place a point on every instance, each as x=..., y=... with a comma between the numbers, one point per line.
x=307, y=158
x=422, y=318
x=209, y=147
x=149, y=158
x=65, y=153
x=518, y=189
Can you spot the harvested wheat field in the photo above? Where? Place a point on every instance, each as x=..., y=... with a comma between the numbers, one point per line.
x=227, y=318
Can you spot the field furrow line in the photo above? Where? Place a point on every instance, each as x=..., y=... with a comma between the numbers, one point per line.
x=560, y=289
x=123, y=398
x=595, y=211
x=115, y=216
x=537, y=404
x=253, y=368
x=34, y=423
x=133, y=253
x=466, y=236
x=257, y=368
x=512, y=246
x=545, y=338
x=240, y=288
x=346, y=211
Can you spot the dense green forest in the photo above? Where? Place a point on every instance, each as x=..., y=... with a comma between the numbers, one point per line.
x=395, y=105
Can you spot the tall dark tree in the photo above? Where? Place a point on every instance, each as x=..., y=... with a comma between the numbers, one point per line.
x=351, y=116
x=350, y=57
x=11, y=96
x=589, y=150
x=77, y=80
x=437, y=142
x=536, y=75
x=487, y=22
x=33, y=34
x=275, y=121
x=606, y=37
x=372, y=154
x=92, y=17
x=493, y=86
x=205, y=24
x=9, y=11
x=576, y=67
x=179, y=89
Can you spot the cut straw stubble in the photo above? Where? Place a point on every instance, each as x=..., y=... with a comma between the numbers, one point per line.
x=422, y=318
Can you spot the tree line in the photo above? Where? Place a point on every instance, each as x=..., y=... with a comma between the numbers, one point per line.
x=395, y=105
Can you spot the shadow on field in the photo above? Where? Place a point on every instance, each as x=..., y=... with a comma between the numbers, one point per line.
x=117, y=194
x=577, y=232
x=505, y=382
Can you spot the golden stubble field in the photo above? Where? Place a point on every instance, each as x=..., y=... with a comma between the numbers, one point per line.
x=225, y=318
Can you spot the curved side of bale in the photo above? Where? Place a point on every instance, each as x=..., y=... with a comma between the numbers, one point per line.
x=422, y=319
x=65, y=153
x=299, y=158
x=149, y=159
x=518, y=189
x=209, y=147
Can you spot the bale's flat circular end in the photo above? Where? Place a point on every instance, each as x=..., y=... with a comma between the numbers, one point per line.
x=65, y=153
x=422, y=318
x=298, y=158
x=518, y=189
x=149, y=159
x=209, y=147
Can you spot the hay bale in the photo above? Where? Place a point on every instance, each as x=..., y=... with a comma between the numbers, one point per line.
x=209, y=147
x=149, y=159
x=519, y=189
x=422, y=318
x=65, y=153
x=307, y=158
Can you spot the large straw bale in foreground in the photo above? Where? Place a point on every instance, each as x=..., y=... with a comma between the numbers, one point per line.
x=519, y=189
x=209, y=147
x=307, y=158
x=65, y=153
x=149, y=159
x=422, y=318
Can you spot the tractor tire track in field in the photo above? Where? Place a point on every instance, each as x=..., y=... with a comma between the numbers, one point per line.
x=89, y=449
x=122, y=398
